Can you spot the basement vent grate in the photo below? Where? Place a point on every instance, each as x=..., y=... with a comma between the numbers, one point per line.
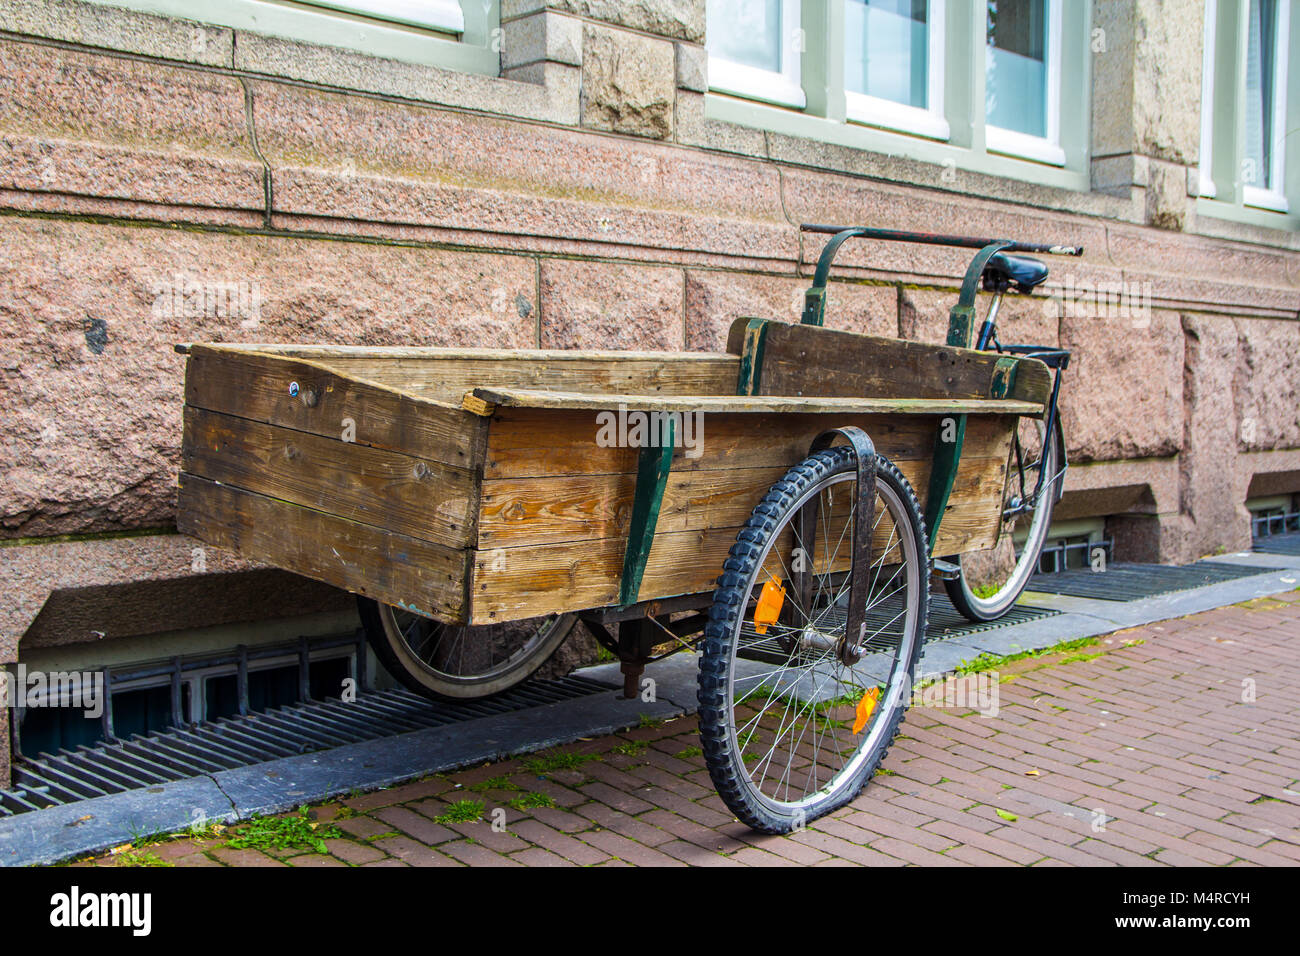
x=947, y=622
x=1279, y=543
x=1132, y=582
x=69, y=776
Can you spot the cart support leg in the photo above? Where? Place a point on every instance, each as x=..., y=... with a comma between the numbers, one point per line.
x=636, y=642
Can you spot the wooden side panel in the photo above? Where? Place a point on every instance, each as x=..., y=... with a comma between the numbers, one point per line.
x=257, y=386
x=539, y=442
x=556, y=506
x=393, y=568
x=808, y=360
x=389, y=490
x=532, y=512
x=449, y=376
x=296, y=464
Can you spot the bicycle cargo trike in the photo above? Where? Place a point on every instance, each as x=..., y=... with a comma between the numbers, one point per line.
x=779, y=507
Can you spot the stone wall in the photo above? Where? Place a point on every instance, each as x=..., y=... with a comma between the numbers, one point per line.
x=582, y=199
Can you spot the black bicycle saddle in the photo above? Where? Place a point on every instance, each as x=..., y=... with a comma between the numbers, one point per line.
x=1004, y=270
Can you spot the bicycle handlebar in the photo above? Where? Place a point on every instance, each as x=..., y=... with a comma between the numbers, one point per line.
x=937, y=239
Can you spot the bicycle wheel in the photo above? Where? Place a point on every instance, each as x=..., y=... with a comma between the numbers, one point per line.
x=795, y=718
x=992, y=580
x=444, y=660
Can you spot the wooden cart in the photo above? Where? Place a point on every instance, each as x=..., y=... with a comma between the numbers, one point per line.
x=477, y=500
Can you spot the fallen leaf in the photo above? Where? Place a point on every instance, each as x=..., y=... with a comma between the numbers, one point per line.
x=1032, y=773
x=1007, y=815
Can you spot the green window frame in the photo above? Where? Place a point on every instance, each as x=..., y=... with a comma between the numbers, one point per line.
x=953, y=129
x=1245, y=77
x=461, y=35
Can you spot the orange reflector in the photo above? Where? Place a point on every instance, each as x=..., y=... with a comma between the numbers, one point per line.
x=769, y=605
x=865, y=708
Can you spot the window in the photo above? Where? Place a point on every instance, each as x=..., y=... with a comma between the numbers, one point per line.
x=1207, y=98
x=1246, y=92
x=1022, y=78
x=893, y=65
x=1266, y=62
x=455, y=34
x=754, y=49
x=978, y=84
x=433, y=14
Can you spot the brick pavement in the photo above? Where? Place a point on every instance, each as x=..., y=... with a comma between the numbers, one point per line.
x=1171, y=744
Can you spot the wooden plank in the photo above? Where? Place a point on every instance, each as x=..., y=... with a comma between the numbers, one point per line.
x=519, y=512
x=503, y=356
x=809, y=360
x=448, y=379
x=530, y=442
x=744, y=405
x=256, y=385
x=447, y=374
x=547, y=568
x=513, y=583
x=393, y=568
x=418, y=497
x=524, y=512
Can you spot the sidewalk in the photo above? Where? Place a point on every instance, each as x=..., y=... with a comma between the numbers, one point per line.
x=1138, y=750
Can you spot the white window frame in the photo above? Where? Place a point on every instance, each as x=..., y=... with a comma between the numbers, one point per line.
x=444, y=15
x=1042, y=149
x=1207, y=187
x=930, y=122
x=1274, y=198
x=447, y=34
x=783, y=87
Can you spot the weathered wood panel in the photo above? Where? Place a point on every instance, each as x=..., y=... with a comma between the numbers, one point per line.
x=256, y=386
x=518, y=582
x=482, y=401
x=389, y=490
x=389, y=567
x=525, y=443
x=447, y=374
x=812, y=361
x=528, y=512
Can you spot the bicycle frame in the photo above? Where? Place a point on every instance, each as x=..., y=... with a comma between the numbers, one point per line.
x=961, y=323
x=1058, y=360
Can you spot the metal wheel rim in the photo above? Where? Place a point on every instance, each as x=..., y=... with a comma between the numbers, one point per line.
x=400, y=630
x=899, y=678
x=1028, y=556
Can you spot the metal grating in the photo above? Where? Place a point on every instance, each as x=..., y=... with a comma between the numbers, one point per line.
x=1131, y=582
x=946, y=621
x=145, y=761
x=1279, y=543
x=943, y=623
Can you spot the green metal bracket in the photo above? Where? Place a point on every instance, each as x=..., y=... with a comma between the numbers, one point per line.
x=961, y=317
x=814, y=307
x=961, y=325
x=751, y=357
x=652, y=467
x=814, y=300
x=943, y=473
x=1004, y=377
